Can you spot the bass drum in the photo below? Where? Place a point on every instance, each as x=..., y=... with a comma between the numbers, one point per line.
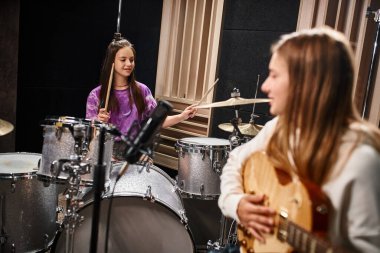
x=147, y=215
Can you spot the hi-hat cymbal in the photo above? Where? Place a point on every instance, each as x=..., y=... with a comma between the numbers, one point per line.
x=235, y=101
x=5, y=127
x=245, y=128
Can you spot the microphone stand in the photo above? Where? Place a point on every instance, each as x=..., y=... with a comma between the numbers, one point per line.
x=99, y=175
x=375, y=52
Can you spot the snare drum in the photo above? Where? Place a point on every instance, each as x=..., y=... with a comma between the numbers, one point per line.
x=28, y=208
x=59, y=143
x=200, y=163
x=147, y=215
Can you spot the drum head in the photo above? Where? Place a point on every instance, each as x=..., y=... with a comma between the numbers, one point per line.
x=18, y=164
x=136, y=225
x=64, y=121
x=203, y=141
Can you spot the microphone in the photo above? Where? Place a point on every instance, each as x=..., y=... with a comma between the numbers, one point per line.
x=145, y=137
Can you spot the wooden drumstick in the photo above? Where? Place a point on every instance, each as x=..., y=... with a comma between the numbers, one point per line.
x=109, y=87
x=207, y=92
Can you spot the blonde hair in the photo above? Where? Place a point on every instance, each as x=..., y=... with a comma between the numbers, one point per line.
x=320, y=105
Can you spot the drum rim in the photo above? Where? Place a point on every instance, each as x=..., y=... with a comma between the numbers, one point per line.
x=49, y=179
x=191, y=195
x=200, y=149
x=181, y=144
x=184, y=140
x=62, y=181
x=20, y=153
x=69, y=121
x=20, y=175
x=161, y=172
x=141, y=196
x=151, y=166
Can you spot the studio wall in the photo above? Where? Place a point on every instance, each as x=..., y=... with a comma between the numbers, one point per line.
x=249, y=29
x=62, y=45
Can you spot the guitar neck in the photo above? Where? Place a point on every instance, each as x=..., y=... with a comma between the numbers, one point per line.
x=302, y=240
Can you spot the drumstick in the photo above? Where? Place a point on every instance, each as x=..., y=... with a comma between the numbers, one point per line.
x=109, y=87
x=207, y=92
x=122, y=170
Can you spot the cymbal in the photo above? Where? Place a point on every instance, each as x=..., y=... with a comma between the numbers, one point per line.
x=5, y=127
x=245, y=128
x=235, y=101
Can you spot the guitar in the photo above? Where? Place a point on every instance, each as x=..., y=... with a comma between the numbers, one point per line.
x=301, y=207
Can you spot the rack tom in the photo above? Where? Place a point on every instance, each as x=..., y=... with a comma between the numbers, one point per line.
x=200, y=164
x=63, y=141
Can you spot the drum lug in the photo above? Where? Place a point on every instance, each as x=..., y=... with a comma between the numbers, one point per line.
x=54, y=168
x=203, y=152
x=59, y=210
x=202, y=189
x=217, y=166
x=225, y=154
x=184, y=219
x=148, y=195
x=3, y=234
x=58, y=133
x=211, y=155
x=13, y=248
x=13, y=184
x=46, y=240
x=179, y=150
x=182, y=184
x=149, y=164
x=3, y=238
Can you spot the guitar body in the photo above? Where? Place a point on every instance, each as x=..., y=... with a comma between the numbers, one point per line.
x=286, y=194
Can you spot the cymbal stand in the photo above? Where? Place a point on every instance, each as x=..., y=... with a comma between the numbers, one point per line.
x=75, y=167
x=252, y=121
x=372, y=70
x=226, y=235
x=236, y=136
x=235, y=140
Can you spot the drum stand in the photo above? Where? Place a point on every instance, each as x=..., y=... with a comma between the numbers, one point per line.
x=75, y=167
x=227, y=235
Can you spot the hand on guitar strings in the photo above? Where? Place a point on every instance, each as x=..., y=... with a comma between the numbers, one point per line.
x=256, y=217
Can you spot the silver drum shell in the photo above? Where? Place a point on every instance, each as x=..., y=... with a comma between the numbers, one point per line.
x=200, y=163
x=58, y=143
x=27, y=206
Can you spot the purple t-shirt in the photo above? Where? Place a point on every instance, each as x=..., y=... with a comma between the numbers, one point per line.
x=124, y=118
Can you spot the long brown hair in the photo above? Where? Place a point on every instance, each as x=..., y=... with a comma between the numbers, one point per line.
x=319, y=106
x=137, y=96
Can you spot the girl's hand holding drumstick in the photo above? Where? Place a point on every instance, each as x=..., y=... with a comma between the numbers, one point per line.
x=103, y=114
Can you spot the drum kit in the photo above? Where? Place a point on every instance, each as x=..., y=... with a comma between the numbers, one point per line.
x=200, y=164
x=148, y=212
